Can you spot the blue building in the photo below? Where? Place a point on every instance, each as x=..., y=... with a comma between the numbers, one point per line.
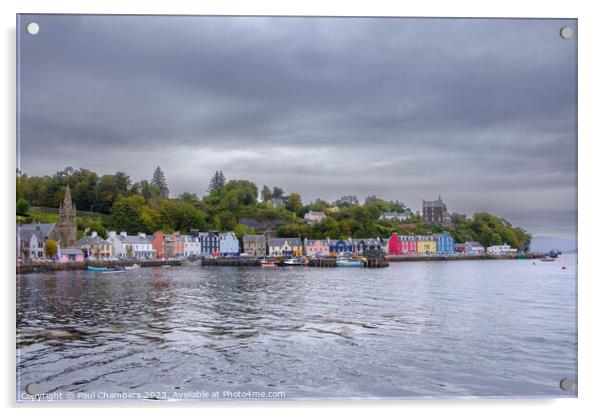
x=228, y=244
x=445, y=243
x=209, y=243
x=340, y=246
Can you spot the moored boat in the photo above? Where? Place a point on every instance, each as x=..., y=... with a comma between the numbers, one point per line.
x=268, y=263
x=97, y=269
x=350, y=263
x=132, y=267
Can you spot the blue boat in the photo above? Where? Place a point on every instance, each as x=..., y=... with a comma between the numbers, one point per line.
x=116, y=269
x=97, y=269
x=350, y=263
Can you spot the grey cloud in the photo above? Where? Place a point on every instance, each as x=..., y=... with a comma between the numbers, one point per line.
x=404, y=108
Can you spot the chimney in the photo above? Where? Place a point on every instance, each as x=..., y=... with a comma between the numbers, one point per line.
x=123, y=234
x=112, y=233
x=94, y=234
x=143, y=235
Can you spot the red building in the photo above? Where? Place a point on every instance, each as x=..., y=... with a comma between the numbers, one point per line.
x=159, y=245
x=168, y=246
x=404, y=245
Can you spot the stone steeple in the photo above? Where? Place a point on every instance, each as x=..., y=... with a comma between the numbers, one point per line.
x=66, y=229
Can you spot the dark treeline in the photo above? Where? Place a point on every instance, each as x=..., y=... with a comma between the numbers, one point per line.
x=238, y=205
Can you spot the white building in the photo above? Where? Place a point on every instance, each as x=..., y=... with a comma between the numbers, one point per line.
x=501, y=250
x=192, y=246
x=398, y=216
x=228, y=244
x=314, y=216
x=138, y=246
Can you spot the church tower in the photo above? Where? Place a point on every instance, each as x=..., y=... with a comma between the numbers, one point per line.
x=66, y=229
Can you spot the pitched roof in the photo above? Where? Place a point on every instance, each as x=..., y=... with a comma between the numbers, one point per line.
x=46, y=229
x=25, y=235
x=253, y=238
x=89, y=240
x=71, y=252
x=281, y=241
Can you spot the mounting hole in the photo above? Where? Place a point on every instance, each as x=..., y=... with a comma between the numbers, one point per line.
x=566, y=384
x=33, y=28
x=31, y=388
x=566, y=32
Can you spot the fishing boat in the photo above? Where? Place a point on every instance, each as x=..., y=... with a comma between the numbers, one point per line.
x=132, y=267
x=292, y=262
x=547, y=258
x=268, y=263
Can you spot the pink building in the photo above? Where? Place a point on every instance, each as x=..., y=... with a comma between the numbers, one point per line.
x=66, y=255
x=316, y=247
x=403, y=245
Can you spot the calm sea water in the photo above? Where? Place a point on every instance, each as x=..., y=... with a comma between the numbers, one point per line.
x=419, y=329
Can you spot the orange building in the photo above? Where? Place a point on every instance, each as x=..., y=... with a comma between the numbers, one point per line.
x=168, y=246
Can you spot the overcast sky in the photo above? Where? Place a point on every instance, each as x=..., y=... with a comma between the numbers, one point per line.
x=481, y=112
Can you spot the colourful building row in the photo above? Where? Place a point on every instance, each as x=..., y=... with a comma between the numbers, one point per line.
x=416, y=245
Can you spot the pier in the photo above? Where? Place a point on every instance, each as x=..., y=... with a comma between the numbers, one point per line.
x=248, y=262
x=55, y=267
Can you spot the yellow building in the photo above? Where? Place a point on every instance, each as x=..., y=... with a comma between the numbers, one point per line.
x=427, y=245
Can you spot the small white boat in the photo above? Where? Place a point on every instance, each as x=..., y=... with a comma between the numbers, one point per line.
x=268, y=263
x=132, y=267
x=547, y=259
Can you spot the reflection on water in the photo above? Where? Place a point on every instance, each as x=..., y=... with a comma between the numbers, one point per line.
x=465, y=328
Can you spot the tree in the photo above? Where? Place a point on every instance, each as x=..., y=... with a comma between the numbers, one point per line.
x=51, y=248
x=266, y=194
x=277, y=192
x=294, y=202
x=346, y=201
x=160, y=181
x=496, y=239
x=217, y=182
x=126, y=214
x=22, y=206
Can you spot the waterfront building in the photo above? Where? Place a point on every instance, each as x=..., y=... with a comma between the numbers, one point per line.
x=95, y=246
x=503, y=249
x=139, y=246
x=395, y=216
x=31, y=244
x=228, y=244
x=445, y=243
x=384, y=245
x=66, y=255
x=126, y=246
x=209, y=244
x=192, y=245
x=403, y=245
x=316, y=247
x=65, y=231
x=409, y=245
x=474, y=248
x=254, y=245
x=116, y=240
x=314, y=216
x=45, y=228
x=460, y=248
x=435, y=212
x=285, y=247
x=174, y=245
x=426, y=245
x=338, y=247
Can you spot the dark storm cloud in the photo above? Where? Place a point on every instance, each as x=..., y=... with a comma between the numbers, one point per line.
x=480, y=111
